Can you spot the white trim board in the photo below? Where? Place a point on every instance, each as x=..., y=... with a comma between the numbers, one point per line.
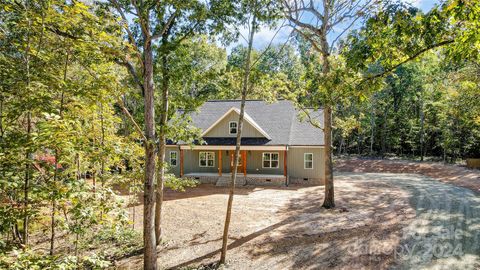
x=306, y=146
x=232, y=147
x=246, y=117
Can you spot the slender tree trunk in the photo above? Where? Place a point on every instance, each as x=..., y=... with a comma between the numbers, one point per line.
x=150, y=254
x=54, y=206
x=329, y=189
x=329, y=201
x=383, y=133
x=102, y=143
x=133, y=207
x=231, y=192
x=161, y=152
x=26, y=186
x=372, y=126
x=57, y=157
x=1, y=117
x=339, y=152
x=422, y=130
x=29, y=155
x=359, y=134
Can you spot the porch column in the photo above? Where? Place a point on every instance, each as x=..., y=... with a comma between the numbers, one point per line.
x=285, y=163
x=244, y=156
x=181, y=162
x=219, y=162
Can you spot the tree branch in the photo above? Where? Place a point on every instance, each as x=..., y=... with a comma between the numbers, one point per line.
x=315, y=123
x=166, y=26
x=131, y=69
x=137, y=127
x=142, y=21
x=412, y=57
x=312, y=42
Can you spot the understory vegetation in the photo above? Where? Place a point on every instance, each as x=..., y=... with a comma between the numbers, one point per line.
x=90, y=91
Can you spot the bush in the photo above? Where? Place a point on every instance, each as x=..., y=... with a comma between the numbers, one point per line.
x=22, y=260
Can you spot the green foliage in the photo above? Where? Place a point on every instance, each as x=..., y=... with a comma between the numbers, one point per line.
x=179, y=184
x=417, y=111
x=20, y=260
x=275, y=73
x=424, y=100
x=60, y=149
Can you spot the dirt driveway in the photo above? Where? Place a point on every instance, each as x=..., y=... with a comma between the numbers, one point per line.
x=445, y=233
x=381, y=221
x=448, y=173
x=281, y=228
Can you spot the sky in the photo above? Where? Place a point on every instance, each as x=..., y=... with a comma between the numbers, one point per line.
x=265, y=35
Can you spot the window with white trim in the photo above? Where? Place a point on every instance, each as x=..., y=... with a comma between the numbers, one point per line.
x=173, y=158
x=270, y=160
x=308, y=161
x=206, y=159
x=232, y=127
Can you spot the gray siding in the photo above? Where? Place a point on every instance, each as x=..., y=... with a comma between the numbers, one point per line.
x=222, y=128
x=175, y=170
x=254, y=163
x=295, y=162
x=191, y=162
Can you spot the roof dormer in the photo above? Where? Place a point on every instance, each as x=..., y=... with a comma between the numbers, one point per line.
x=227, y=126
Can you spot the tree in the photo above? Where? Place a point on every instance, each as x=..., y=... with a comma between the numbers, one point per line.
x=250, y=14
x=165, y=24
x=186, y=19
x=315, y=21
x=391, y=41
x=48, y=120
x=276, y=73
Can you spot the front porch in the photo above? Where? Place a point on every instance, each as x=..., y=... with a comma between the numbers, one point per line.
x=262, y=165
x=242, y=179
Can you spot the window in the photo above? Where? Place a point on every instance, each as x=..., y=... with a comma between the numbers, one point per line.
x=173, y=158
x=207, y=159
x=270, y=160
x=232, y=127
x=308, y=161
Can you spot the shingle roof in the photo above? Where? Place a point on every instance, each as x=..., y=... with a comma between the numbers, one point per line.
x=280, y=120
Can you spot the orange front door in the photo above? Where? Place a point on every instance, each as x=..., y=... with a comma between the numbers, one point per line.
x=241, y=162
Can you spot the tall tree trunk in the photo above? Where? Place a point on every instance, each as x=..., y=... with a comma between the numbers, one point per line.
x=102, y=143
x=94, y=169
x=1, y=117
x=383, y=133
x=231, y=192
x=161, y=150
x=54, y=206
x=339, y=151
x=329, y=201
x=372, y=126
x=26, y=185
x=28, y=155
x=359, y=133
x=57, y=158
x=150, y=254
x=422, y=129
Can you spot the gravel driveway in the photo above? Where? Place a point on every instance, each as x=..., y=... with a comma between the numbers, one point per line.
x=445, y=232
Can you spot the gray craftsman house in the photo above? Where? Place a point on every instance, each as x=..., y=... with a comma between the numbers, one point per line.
x=276, y=147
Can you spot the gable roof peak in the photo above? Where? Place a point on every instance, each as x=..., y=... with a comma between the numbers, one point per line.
x=246, y=117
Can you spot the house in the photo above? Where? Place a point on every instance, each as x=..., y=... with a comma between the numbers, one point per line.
x=276, y=147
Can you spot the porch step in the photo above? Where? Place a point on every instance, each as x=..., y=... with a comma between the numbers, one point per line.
x=224, y=181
